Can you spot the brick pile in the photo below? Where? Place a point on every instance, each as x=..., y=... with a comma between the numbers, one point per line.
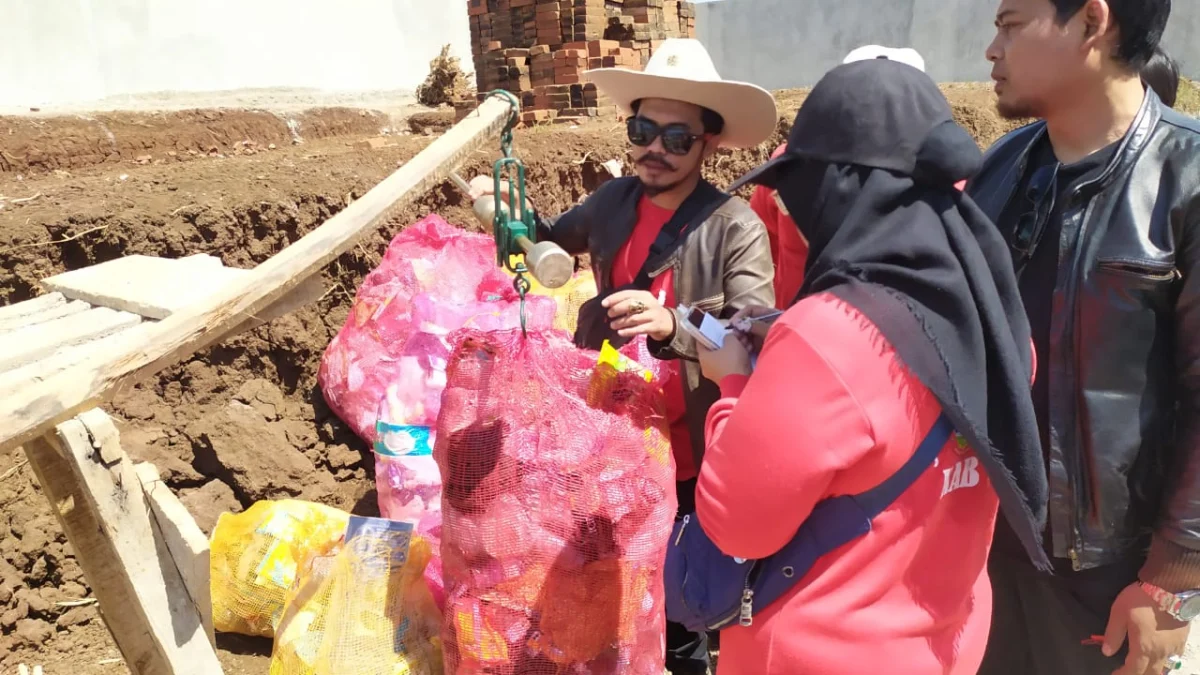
x=539, y=49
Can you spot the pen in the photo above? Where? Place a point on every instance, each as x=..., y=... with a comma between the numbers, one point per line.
x=765, y=317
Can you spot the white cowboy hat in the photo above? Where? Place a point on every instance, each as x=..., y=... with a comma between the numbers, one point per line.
x=902, y=54
x=682, y=70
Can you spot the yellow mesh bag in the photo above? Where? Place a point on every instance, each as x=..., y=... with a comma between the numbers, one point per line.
x=569, y=297
x=255, y=556
x=365, y=611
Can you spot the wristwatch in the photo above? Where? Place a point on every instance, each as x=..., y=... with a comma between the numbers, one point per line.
x=1183, y=606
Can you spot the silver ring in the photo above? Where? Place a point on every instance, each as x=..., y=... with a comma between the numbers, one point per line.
x=1174, y=663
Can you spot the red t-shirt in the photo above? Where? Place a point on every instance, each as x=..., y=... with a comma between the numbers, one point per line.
x=629, y=261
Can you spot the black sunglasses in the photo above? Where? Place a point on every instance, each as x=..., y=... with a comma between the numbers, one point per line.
x=1039, y=194
x=677, y=138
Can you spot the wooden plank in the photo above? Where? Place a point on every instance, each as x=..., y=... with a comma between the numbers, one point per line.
x=104, y=512
x=33, y=306
x=56, y=312
x=185, y=541
x=35, y=410
x=146, y=285
x=65, y=357
x=158, y=287
x=309, y=291
x=27, y=345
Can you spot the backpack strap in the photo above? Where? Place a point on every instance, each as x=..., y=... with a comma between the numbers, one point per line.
x=877, y=499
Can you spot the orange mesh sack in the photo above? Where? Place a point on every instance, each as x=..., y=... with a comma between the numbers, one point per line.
x=557, y=505
x=365, y=610
x=255, y=556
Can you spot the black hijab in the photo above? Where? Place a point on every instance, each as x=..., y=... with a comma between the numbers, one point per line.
x=869, y=177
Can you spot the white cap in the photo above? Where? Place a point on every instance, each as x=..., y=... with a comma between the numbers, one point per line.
x=902, y=54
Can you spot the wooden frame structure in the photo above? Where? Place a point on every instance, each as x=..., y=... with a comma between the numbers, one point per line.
x=143, y=555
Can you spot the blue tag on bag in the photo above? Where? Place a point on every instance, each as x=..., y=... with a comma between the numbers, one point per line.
x=400, y=440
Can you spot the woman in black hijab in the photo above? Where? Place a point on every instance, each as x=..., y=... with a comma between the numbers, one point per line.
x=909, y=314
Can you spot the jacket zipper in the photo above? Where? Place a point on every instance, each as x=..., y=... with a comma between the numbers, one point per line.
x=1075, y=472
x=1139, y=126
x=1076, y=467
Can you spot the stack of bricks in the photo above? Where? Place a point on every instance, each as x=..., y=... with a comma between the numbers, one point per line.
x=539, y=49
x=646, y=21
x=505, y=69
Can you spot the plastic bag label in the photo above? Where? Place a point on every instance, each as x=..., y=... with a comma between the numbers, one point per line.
x=394, y=535
x=399, y=440
x=278, y=566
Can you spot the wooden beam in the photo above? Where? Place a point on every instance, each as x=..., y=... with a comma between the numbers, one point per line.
x=98, y=499
x=57, y=311
x=185, y=541
x=159, y=287
x=38, y=304
x=65, y=357
x=33, y=411
x=309, y=291
x=27, y=345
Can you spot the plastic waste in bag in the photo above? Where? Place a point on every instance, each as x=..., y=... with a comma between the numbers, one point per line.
x=364, y=609
x=255, y=556
x=558, y=500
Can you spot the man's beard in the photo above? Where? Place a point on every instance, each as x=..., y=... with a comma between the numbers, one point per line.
x=656, y=190
x=1016, y=111
x=661, y=161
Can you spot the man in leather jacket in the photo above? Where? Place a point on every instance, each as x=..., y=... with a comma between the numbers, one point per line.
x=1100, y=201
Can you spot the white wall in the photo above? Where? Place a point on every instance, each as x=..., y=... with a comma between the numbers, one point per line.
x=72, y=51
x=792, y=43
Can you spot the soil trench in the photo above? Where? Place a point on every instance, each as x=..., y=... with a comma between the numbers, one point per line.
x=243, y=420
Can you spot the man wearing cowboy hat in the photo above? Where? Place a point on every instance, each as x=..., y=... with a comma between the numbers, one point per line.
x=667, y=238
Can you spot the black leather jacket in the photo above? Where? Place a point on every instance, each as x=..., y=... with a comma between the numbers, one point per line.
x=1124, y=455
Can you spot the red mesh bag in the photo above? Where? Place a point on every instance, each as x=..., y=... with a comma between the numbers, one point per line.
x=557, y=505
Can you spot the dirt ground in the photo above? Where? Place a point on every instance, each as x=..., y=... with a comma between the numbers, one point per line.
x=77, y=191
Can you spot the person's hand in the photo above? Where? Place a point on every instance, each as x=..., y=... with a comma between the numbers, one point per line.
x=485, y=186
x=733, y=358
x=1153, y=634
x=756, y=331
x=634, y=313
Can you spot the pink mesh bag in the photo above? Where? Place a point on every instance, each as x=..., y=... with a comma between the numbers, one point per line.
x=386, y=367
x=557, y=505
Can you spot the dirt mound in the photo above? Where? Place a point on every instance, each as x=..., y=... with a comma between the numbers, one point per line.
x=445, y=83
x=431, y=122
x=243, y=420
x=29, y=144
